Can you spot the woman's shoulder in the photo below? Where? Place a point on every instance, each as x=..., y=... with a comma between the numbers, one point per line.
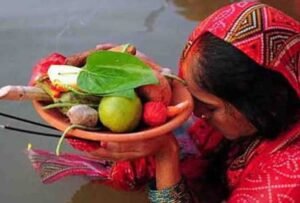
x=278, y=156
x=284, y=161
x=286, y=144
x=286, y=157
x=271, y=177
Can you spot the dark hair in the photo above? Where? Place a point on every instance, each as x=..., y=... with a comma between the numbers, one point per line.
x=264, y=96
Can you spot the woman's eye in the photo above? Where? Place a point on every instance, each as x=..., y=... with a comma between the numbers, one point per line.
x=204, y=106
x=211, y=109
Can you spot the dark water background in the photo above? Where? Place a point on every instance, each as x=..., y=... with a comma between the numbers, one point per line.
x=32, y=29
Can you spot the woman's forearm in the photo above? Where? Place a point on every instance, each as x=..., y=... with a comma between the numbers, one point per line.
x=170, y=187
x=167, y=167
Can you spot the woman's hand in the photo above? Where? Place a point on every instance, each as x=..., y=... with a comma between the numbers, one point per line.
x=105, y=46
x=164, y=149
x=159, y=147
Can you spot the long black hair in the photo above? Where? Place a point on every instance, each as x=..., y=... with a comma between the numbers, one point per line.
x=264, y=96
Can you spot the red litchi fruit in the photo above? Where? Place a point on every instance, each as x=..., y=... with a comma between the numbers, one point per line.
x=155, y=113
x=161, y=92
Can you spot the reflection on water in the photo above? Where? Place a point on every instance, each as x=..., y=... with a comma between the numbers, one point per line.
x=153, y=16
x=95, y=193
x=197, y=10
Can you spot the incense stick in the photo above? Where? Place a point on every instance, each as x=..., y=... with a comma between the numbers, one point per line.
x=26, y=120
x=7, y=127
x=29, y=131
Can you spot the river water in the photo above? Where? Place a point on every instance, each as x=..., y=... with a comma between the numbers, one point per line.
x=32, y=29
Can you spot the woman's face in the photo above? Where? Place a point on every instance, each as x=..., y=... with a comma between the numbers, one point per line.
x=220, y=114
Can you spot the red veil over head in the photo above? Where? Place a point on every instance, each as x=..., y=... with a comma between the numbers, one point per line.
x=265, y=34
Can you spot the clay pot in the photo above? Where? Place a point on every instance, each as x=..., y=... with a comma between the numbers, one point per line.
x=179, y=94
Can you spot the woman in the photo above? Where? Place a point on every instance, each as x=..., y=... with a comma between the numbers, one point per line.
x=242, y=67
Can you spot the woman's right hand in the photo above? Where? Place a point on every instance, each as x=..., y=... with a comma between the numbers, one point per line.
x=164, y=148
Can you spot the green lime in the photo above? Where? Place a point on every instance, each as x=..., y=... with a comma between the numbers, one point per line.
x=120, y=114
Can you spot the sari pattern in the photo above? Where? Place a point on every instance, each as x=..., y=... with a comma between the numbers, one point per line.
x=272, y=174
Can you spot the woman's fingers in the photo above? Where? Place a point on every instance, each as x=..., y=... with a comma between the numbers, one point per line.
x=132, y=150
x=109, y=155
x=116, y=147
x=136, y=146
x=105, y=46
